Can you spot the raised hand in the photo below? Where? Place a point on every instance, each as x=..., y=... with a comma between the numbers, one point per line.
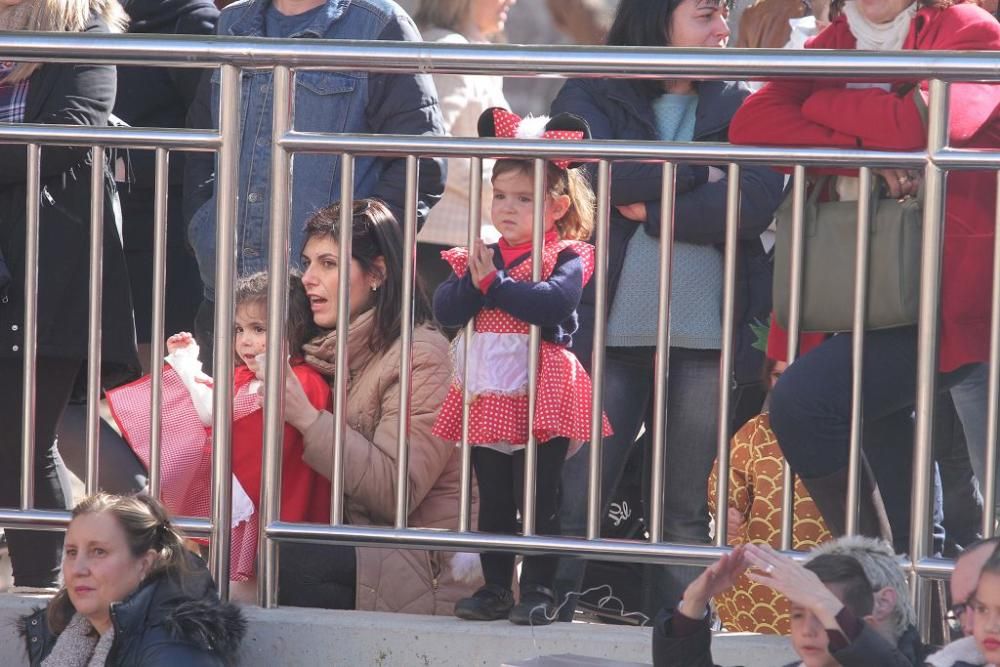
x=801, y=586
x=718, y=578
x=179, y=341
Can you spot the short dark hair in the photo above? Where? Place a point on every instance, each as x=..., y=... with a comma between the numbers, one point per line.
x=299, y=329
x=375, y=233
x=858, y=596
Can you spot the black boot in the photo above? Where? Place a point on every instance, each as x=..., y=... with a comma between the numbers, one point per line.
x=537, y=606
x=489, y=603
x=830, y=495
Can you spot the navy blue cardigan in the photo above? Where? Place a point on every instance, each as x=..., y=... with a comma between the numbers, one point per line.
x=551, y=303
x=621, y=109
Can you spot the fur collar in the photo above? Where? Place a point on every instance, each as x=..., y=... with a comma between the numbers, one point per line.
x=962, y=651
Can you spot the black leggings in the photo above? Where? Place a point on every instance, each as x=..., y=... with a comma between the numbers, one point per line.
x=34, y=554
x=501, y=494
x=317, y=575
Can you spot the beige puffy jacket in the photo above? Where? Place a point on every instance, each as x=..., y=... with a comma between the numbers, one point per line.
x=412, y=581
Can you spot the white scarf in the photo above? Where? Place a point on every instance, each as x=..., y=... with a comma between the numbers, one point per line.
x=879, y=36
x=79, y=646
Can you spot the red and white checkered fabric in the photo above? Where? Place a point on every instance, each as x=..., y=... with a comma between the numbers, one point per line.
x=185, y=452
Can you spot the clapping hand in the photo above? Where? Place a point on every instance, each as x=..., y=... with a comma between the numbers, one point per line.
x=716, y=579
x=480, y=262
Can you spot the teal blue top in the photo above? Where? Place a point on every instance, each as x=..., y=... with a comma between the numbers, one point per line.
x=696, y=277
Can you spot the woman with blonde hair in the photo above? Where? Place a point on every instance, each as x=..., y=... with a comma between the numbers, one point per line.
x=62, y=94
x=133, y=595
x=463, y=98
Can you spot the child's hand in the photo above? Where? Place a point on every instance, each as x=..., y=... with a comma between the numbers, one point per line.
x=179, y=341
x=480, y=262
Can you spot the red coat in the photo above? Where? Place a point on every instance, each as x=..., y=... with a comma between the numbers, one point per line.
x=823, y=112
x=305, y=494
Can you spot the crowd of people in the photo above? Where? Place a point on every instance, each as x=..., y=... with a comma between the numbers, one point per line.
x=800, y=413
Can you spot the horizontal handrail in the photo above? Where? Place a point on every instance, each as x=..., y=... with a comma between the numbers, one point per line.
x=505, y=60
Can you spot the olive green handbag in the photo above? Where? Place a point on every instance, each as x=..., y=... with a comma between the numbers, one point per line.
x=830, y=237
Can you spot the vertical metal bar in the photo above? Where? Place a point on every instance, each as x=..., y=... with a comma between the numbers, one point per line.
x=277, y=344
x=161, y=180
x=594, y=501
x=96, y=282
x=33, y=192
x=858, y=345
x=927, y=340
x=662, y=364
x=535, y=337
x=726, y=360
x=993, y=414
x=473, y=231
x=343, y=315
x=406, y=343
x=794, y=329
x=225, y=270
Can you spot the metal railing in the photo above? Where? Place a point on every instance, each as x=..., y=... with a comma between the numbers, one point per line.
x=286, y=56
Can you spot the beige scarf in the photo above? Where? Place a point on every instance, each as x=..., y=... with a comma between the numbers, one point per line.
x=79, y=646
x=321, y=352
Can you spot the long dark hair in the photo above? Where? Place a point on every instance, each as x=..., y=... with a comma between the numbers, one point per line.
x=375, y=233
x=147, y=527
x=645, y=23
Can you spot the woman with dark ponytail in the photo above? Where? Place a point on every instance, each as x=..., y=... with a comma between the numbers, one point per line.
x=133, y=594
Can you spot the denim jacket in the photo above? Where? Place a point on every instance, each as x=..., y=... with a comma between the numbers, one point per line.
x=352, y=102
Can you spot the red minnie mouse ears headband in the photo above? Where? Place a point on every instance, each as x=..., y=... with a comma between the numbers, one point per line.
x=498, y=122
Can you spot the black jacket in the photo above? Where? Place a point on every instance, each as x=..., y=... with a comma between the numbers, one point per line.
x=161, y=96
x=161, y=625
x=869, y=649
x=69, y=95
x=620, y=109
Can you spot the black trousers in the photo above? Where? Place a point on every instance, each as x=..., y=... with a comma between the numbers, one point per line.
x=34, y=554
x=317, y=575
x=501, y=496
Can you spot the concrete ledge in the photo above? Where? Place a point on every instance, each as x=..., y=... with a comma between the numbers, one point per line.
x=295, y=637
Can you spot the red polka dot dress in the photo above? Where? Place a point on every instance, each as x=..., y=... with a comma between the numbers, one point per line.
x=498, y=371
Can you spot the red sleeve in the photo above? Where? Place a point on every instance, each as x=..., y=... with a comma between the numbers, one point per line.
x=314, y=384
x=808, y=113
x=777, y=341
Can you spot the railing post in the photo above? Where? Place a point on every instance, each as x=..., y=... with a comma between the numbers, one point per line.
x=226, y=189
x=661, y=382
x=159, y=298
x=32, y=206
x=927, y=341
x=726, y=358
x=277, y=343
x=595, y=503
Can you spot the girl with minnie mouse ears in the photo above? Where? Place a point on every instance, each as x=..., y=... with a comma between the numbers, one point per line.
x=492, y=285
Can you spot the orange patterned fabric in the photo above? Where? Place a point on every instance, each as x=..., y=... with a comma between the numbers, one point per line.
x=756, y=479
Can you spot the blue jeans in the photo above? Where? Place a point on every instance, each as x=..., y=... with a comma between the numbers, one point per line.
x=691, y=430
x=811, y=413
x=971, y=398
